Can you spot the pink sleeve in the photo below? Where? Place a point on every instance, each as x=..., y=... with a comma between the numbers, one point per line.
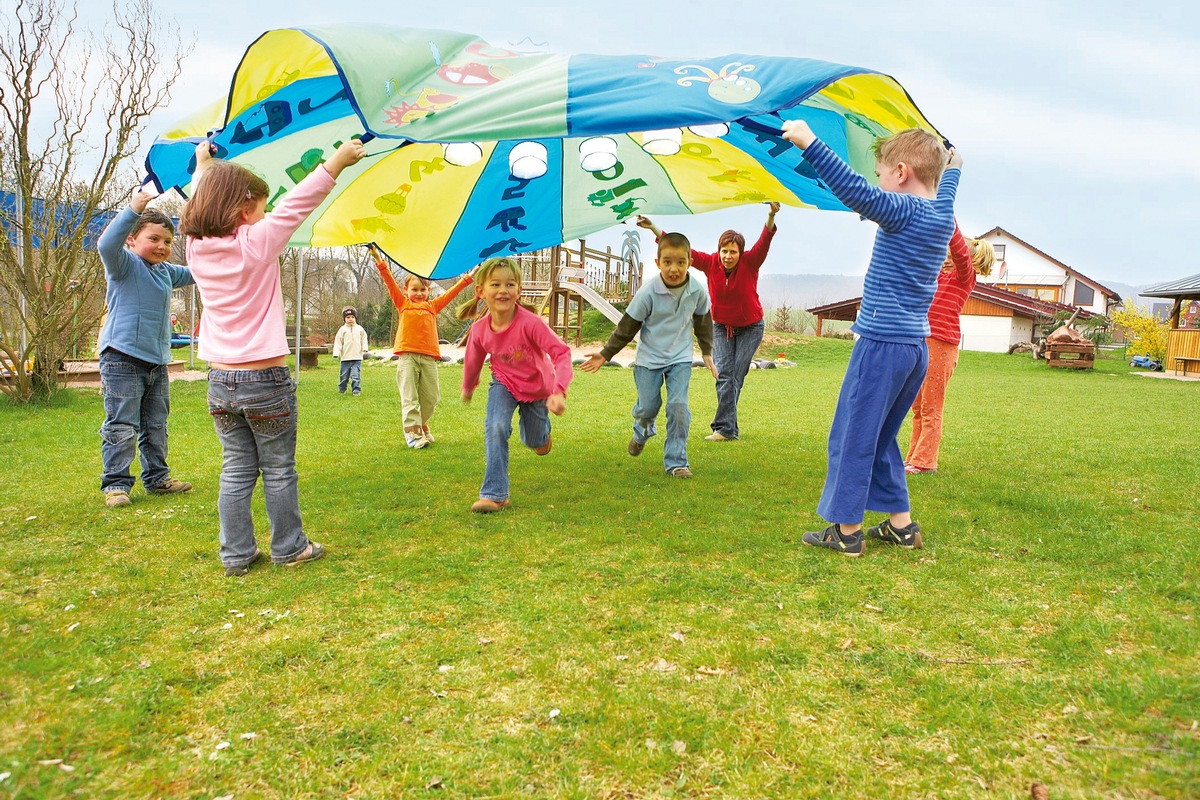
x=560, y=355
x=472, y=359
x=267, y=238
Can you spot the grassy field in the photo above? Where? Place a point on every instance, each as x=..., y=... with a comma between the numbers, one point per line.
x=618, y=633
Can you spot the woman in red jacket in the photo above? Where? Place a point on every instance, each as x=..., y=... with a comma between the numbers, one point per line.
x=737, y=314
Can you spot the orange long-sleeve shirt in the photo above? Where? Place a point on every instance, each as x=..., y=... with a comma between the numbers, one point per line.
x=417, y=331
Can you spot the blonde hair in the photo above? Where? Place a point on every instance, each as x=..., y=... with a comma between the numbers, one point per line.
x=220, y=197
x=920, y=149
x=983, y=256
x=412, y=276
x=473, y=309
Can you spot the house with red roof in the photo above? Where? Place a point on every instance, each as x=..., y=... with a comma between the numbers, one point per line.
x=1017, y=303
x=1026, y=270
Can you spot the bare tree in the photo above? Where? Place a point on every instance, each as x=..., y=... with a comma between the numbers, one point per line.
x=73, y=105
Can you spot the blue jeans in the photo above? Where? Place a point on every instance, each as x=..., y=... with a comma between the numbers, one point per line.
x=733, y=357
x=351, y=373
x=649, y=383
x=497, y=428
x=254, y=412
x=137, y=399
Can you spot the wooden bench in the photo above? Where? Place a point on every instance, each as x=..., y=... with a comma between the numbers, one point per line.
x=308, y=355
x=1180, y=361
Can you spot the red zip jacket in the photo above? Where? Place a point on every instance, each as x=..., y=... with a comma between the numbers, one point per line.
x=735, y=297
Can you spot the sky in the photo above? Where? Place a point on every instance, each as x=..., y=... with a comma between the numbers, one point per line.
x=1078, y=121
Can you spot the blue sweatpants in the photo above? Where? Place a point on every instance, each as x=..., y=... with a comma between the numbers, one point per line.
x=866, y=470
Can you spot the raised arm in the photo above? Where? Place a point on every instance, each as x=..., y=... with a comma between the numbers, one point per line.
x=448, y=296
x=111, y=245
x=891, y=210
x=271, y=234
x=385, y=274
x=960, y=256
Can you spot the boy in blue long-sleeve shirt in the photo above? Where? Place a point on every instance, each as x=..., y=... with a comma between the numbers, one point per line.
x=914, y=207
x=135, y=348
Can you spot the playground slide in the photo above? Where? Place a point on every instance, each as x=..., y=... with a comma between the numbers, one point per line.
x=593, y=298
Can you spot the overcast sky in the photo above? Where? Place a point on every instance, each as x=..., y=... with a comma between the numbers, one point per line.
x=1078, y=121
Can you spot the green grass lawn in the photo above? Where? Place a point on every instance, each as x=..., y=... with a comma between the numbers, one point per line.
x=618, y=633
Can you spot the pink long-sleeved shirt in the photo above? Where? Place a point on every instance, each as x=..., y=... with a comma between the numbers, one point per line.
x=238, y=279
x=527, y=357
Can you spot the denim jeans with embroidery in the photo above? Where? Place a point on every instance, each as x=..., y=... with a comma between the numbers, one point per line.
x=254, y=412
x=137, y=399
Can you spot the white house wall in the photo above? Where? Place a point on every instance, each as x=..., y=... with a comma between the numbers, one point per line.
x=994, y=334
x=1023, y=266
x=1026, y=267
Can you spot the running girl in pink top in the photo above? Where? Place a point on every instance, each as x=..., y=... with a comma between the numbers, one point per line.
x=233, y=249
x=531, y=369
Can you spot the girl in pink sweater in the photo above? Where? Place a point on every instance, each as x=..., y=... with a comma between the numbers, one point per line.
x=531, y=369
x=233, y=249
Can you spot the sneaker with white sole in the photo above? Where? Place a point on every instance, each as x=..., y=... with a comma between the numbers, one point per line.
x=416, y=440
x=310, y=553
x=170, y=486
x=717, y=436
x=680, y=472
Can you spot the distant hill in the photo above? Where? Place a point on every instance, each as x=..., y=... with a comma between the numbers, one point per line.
x=806, y=291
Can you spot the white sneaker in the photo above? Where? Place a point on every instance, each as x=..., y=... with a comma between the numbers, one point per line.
x=416, y=442
x=718, y=437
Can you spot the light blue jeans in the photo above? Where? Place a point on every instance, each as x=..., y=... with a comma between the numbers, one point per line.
x=497, y=429
x=137, y=399
x=351, y=372
x=733, y=357
x=649, y=383
x=254, y=412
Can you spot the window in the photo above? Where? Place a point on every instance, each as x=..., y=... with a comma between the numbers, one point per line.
x=1084, y=294
x=999, y=248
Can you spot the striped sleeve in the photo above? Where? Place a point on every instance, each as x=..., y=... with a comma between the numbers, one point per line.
x=892, y=211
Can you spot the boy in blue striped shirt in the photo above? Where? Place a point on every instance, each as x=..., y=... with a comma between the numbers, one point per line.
x=914, y=208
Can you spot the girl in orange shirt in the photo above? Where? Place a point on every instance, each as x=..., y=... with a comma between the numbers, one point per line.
x=417, y=346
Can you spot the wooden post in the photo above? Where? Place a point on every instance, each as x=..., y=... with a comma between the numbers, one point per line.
x=820, y=319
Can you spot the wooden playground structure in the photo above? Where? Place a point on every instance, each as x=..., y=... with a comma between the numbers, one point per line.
x=559, y=280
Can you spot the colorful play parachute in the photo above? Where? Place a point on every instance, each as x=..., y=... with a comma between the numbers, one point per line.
x=476, y=151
